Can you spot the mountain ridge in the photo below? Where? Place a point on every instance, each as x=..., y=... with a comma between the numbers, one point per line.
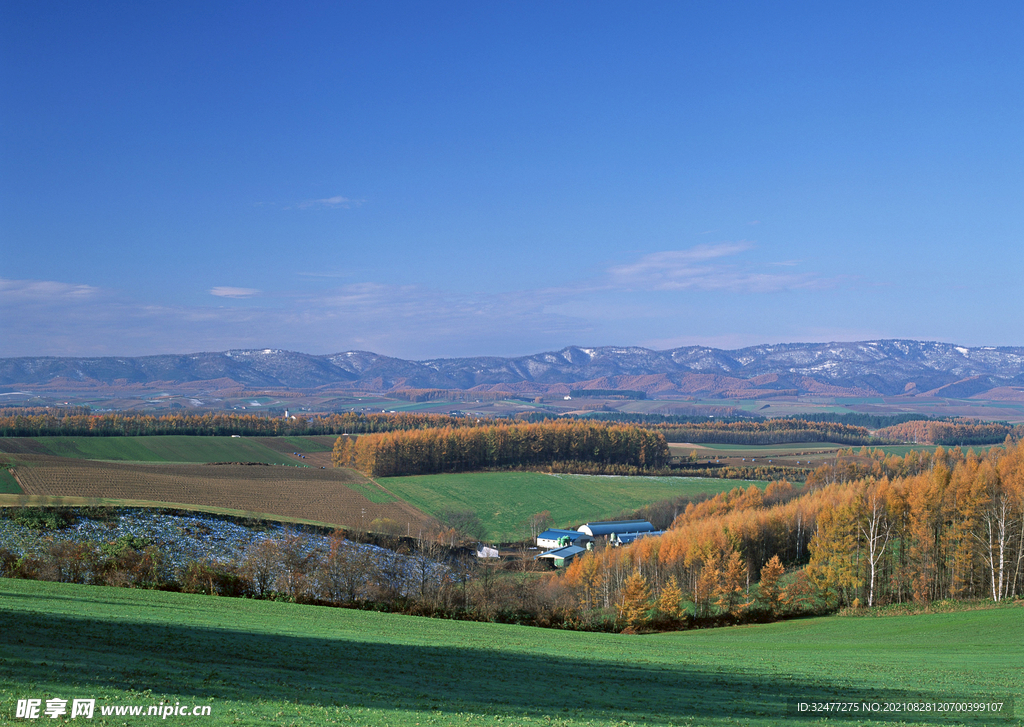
x=865, y=368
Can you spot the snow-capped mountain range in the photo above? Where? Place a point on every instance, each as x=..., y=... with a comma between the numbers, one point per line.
x=885, y=367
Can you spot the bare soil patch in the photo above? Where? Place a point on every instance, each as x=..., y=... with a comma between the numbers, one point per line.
x=333, y=496
x=20, y=445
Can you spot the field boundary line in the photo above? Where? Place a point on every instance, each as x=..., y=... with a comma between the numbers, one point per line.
x=386, y=490
x=402, y=504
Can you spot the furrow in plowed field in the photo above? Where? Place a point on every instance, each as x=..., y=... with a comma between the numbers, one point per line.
x=336, y=496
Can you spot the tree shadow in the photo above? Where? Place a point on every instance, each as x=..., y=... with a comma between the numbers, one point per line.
x=75, y=655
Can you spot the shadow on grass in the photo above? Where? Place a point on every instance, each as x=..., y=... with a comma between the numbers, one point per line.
x=66, y=654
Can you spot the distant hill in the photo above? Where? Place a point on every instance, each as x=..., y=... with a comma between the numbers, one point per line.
x=868, y=368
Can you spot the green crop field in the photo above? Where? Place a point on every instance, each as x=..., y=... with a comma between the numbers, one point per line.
x=320, y=443
x=170, y=448
x=763, y=450
x=503, y=500
x=261, y=662
x=8, y=485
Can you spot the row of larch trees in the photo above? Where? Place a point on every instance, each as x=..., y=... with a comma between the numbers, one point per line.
x=952, y=432
x=77, y=422
x=770, y=431
x=953, y=531
x=446, y=449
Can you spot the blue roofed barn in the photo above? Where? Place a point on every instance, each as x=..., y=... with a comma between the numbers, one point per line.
x=618, y=527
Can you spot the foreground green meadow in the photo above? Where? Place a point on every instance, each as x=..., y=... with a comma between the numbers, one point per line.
x=504, y=500
x=258, y=662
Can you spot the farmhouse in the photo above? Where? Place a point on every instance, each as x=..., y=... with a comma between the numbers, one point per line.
x=550, y=538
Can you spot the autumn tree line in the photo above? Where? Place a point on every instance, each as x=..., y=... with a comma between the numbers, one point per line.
x=954, y=529
x=952, y=432
x=79, y=421
x=449, y=449
x=770, y=431
x=962, y=432
x=61, y=423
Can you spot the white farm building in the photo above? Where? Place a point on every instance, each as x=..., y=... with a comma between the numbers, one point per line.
x=551, y=538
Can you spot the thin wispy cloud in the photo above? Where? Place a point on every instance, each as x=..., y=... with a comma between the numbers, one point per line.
x=323, y=274
x=44, y=290
x=705, y=267
x=337, y=202
x=225, y=291
x=407, y=320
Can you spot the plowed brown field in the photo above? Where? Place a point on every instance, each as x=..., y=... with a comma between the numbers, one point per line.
x=335, y=496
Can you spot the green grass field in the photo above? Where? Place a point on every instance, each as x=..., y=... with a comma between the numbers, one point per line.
x=764, y=450
x=8, y=485
x=503, y=500
x=170, y=448
x=307, y=444
x=259, y=662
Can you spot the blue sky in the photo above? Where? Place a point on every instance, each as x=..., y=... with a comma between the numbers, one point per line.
x=454, y=179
